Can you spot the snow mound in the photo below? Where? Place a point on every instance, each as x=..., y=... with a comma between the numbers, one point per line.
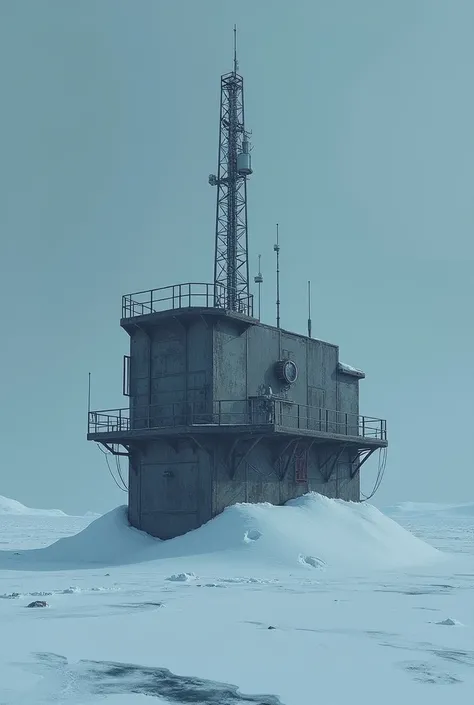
x=427, y=508
x=11, y=506
x=109, y=540
x=182, y=577
x=312, y=533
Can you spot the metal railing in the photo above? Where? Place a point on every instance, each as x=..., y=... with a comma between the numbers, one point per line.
x=190, y=295
x=254, y=411
x=109, y=421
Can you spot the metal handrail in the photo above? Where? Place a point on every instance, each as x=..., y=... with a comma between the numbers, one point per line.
x=179, y=296
x=254, y=411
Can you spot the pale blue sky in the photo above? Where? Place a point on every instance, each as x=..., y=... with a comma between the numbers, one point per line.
x=362, y=115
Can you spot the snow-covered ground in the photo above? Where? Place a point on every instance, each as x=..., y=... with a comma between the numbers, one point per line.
x=319, y=601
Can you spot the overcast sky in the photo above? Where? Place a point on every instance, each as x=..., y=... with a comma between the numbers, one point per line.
x=362, y=116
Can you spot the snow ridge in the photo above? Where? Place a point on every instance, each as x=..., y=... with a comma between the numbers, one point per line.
x=11, y=506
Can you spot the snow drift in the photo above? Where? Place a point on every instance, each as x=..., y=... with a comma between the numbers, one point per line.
x=11, y=506
x=312, y=532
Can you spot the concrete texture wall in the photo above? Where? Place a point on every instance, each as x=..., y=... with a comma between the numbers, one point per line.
x=170, y=488
x=258, y=479
x=229, y=361
x=245, y=365
x=171, y=363
x=255, y=480
x=200, y=361
x=348, y=401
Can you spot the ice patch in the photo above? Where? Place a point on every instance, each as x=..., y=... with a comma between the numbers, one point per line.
x=94, y=681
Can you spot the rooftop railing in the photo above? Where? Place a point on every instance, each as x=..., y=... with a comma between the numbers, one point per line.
x=254, y=411
x=190, y=295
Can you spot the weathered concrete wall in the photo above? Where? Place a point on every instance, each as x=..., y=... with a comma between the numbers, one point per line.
x=170, y=489
x=210, y=360
x=330, y=474
x=244, y=365
x=173, y=490
x=258, y=479
x=229, y=361
x=171, y=363
x=322, y=379
x=255, y=480
x=348, y=402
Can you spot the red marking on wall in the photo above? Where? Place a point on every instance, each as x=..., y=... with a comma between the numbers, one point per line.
x=301, y=469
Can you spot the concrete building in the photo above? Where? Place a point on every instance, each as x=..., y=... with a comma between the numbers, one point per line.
x=225, y=409
x=222, y=408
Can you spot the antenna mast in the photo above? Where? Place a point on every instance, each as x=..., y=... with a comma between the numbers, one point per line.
x=276, y=248
x=259, y=281
x=309, y=310
x=231, y=269
x=236, y=65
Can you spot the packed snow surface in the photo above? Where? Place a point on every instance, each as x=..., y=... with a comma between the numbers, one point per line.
x=316, y=601
x=11, y=506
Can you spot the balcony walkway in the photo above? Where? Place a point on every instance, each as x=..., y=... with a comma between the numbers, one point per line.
x=255, y=416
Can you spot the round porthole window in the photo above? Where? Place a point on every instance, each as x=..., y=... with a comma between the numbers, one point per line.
x=287, y=371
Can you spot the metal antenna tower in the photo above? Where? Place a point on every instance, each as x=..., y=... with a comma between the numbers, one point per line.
x=231, y=269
